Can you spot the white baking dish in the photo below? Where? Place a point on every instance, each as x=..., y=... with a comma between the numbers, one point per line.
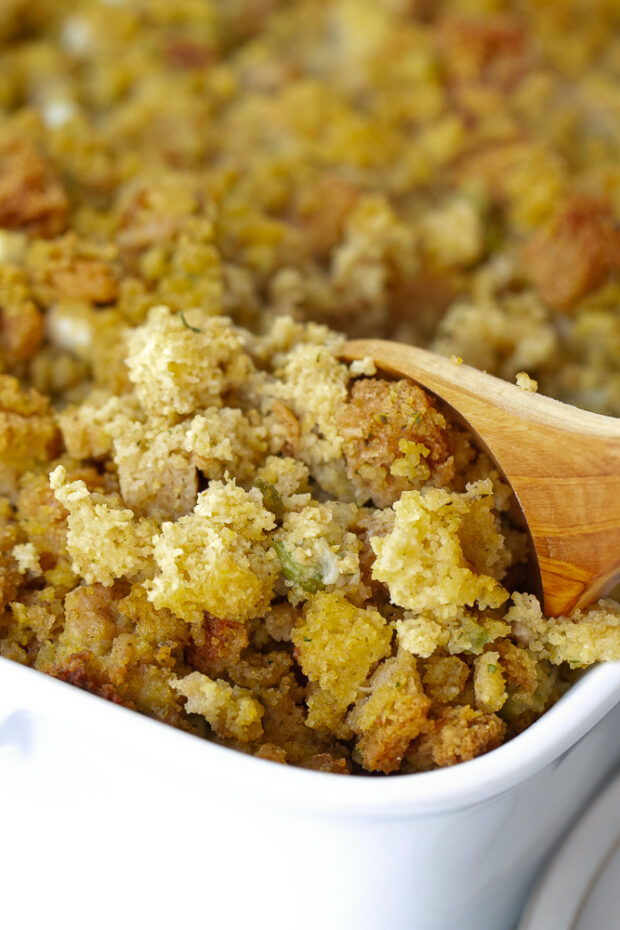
x=110, y=818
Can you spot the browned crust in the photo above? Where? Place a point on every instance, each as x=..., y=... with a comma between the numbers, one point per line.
x=217, y=644
x=78, y=671
x=458, y=734
x=31, y=195
x=575, y=252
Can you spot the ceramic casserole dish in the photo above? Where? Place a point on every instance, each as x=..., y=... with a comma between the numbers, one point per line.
x=138, y=820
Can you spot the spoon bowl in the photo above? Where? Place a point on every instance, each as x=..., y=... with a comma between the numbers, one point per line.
x=563, y=464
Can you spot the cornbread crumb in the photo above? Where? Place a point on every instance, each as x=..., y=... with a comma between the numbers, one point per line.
x=182, y=362
x=317, y=551
x=217, y=558
x=445, y=678
x=336, y=645
x=232, y=712
x=525, y=382
x=587, y=636
x=425, y=560
x=26, y=557
x=489, y=686
x=103, y=539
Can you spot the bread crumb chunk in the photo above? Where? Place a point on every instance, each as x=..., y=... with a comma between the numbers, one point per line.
x=69, y=268
x=445, y=677
x=89, y=428
x=288, y=477
x=31, y=196
x=232, y=712
x=313, y=384
x=574, y=252
x=434, y=558
x=467, y=631
x=394, y=439
x=492, y=47
x=90, y=624
x=377, y=252
x=326, y=762
x=218, y=558
x=21, y=321
x=217, y=644
x=519, y=667
x=271, y=753
x=280, y=620
x=391, y=715
x=453, y=234
x=156, y=476
x=457, y=734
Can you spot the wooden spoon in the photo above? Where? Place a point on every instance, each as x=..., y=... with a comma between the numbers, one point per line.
x=563, y=464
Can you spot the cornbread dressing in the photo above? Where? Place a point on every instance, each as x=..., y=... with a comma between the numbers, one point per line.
x=205, y=515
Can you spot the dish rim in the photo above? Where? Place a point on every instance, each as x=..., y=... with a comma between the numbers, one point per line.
x=35, y=697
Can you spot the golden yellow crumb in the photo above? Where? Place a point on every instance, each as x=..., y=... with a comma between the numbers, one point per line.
x=232, y=712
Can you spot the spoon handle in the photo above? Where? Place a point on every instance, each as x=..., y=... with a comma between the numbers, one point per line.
x=563, y=464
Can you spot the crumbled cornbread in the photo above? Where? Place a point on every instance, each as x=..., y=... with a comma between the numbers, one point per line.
x=103, y=538
x=231, y=711
x=336, y=645
x=489, y=682
x=181, y=363
x=205, y=515
x=218, y=558
x=434, y=560
x=525, y=382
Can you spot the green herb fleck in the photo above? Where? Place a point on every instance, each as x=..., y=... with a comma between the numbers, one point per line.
x=271, y=498
x=478, y=638
x=194, y=329
x=305, y=577
x=383, y=418
x=491, y=669
x=307, y=639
